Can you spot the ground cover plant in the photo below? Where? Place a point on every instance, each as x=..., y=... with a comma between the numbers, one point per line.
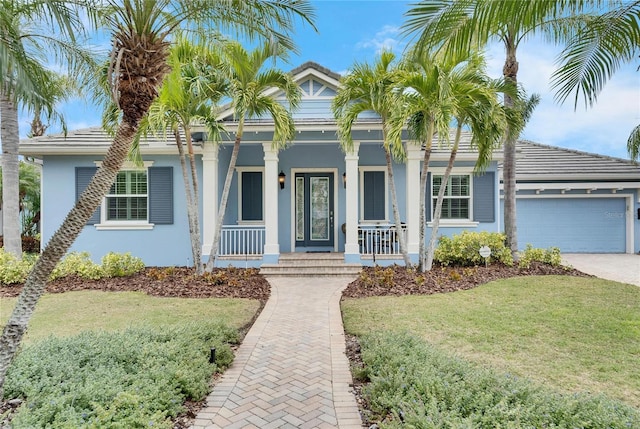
x=413, y=384
x=140, y=377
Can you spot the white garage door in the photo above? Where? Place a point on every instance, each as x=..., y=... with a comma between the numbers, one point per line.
x=595, y=225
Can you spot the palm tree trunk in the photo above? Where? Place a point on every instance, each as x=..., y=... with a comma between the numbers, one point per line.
x=437, y=214
x=60, y=242
x=423, y=196
x=223, y=200
x=194, y=232
x=510, y=72
x=196, y=198
x=402, y=241
x=9, y=135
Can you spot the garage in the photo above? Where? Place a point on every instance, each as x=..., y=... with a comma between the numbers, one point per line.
x=582, y=224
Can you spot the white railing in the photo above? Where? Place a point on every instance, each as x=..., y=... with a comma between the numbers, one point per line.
x=378, y=239
x=242, y=240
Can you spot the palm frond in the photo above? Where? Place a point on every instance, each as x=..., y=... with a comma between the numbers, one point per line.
x=596, y=52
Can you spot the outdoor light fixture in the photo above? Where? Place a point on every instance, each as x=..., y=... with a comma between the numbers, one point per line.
x=344, y=180
x=281, y=179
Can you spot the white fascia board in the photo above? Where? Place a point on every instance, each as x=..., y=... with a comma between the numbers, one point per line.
x=575, y=185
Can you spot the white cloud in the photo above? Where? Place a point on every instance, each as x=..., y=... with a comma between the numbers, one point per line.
x=386, y=38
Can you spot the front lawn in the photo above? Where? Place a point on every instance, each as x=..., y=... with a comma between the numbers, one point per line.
x=120, y=359
x=569, y=333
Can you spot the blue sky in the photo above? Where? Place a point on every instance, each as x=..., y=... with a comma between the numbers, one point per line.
x=356, y=30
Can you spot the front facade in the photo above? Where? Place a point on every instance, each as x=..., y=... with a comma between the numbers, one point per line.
x=313, y=196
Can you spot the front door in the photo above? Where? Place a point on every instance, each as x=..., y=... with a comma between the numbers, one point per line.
x=314, y=210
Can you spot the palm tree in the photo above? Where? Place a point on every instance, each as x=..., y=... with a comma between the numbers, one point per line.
x=248, y=80
x=188, y=95
x=368, y=87
x=460, y=26
x=28, y=31
x=595, y=53
x=476, y=106
x=426, y=109
x=138, y=64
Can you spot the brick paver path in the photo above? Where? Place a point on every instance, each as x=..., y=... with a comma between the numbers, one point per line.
x=291, y=370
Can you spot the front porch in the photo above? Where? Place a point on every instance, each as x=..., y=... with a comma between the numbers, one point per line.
x=311, y=197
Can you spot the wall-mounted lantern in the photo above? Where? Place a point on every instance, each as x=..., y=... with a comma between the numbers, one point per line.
x=344, y=180
x=281, y=179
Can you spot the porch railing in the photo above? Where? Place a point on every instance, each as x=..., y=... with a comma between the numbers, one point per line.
x=381, y=239
x=242, y=240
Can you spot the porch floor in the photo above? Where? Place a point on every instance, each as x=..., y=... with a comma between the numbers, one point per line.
x=291, y=370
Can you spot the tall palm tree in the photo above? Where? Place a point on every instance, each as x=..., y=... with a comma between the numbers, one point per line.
x=460, y=26
x=248, y=80
x=189, y=94
x=595, y=53
x=371, y=87
x=141, y=31
x=29, y=30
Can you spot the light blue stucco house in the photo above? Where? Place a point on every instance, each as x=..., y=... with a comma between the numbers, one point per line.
x=313, y=197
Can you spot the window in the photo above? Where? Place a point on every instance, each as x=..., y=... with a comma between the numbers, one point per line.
x=457, y=196
x=251, y=196
x=127, y=198
x=139, y=199
x=373, y=194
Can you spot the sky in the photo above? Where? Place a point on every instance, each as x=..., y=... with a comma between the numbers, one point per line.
x=356, y=30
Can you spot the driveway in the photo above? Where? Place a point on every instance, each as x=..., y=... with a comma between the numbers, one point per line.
x=621, y=267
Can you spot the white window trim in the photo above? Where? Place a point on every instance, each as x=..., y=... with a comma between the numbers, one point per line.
x=241, y=170
x=453, y=223
x=124, y=224
x=361, y=171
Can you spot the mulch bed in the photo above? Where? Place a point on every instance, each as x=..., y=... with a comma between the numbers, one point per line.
x=180, y=282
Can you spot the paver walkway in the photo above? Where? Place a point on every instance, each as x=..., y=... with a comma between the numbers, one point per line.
x=291, y=370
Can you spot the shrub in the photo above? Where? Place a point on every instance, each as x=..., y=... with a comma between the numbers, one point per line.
x=121, y=264
x=462, y=249
x=549, y=256
x=416, y=385
x=12, y=270
x=136, y=378
x=77, y=263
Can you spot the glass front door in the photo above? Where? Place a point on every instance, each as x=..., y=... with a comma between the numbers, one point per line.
x=314, y=209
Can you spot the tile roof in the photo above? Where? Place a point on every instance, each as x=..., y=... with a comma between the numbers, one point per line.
x=539, y=162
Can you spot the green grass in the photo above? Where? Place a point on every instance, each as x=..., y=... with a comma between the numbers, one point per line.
x=574, y=334
x=70, y=313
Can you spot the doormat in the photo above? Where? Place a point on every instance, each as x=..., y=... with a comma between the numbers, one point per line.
x=318, y=251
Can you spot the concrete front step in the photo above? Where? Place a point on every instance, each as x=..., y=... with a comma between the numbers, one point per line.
x=311, y=264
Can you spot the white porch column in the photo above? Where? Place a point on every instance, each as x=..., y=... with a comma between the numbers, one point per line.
x=271, y=189
x=351, y=246
x=209, y=195
x=414, y=156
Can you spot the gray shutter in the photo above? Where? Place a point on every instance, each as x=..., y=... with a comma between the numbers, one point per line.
x=427, y=199
x=374, y=195
x=161, y=195
x=83, y=177
x=484, y=195
x=252, y=195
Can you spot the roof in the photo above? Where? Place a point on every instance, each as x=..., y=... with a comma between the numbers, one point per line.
x=539, y=163
x=317, y=67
